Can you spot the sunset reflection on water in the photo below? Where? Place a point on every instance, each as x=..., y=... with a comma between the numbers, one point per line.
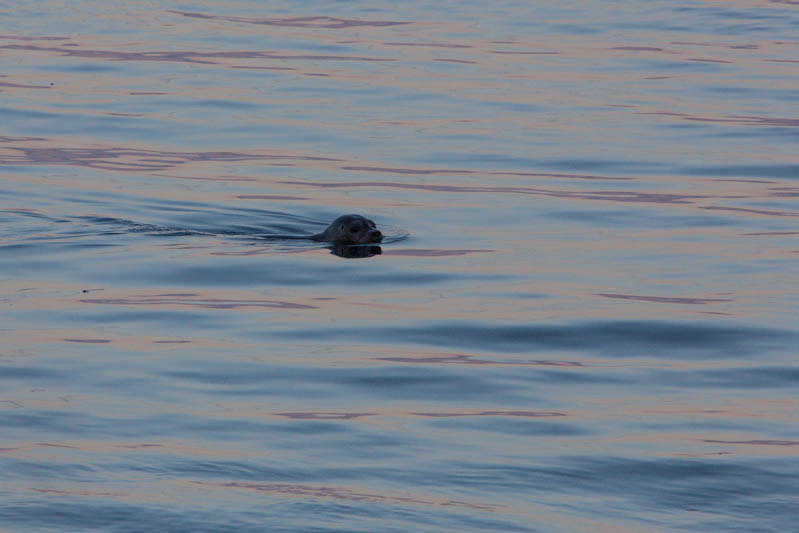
x=581, y=317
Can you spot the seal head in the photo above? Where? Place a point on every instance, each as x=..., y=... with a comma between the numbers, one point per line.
x=350, y=229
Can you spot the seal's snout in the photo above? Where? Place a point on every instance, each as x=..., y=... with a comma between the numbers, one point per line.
x=375, y=235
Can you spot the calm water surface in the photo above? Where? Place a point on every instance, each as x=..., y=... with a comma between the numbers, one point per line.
x=584, y=317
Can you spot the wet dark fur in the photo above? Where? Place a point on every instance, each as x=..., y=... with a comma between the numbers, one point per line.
x=350, y=229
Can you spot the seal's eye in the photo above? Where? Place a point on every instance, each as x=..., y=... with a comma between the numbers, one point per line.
x=355, y=229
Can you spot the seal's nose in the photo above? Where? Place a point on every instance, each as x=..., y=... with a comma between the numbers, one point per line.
x=376, y=235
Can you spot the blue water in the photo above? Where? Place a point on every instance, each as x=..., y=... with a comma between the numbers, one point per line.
x=582, y=318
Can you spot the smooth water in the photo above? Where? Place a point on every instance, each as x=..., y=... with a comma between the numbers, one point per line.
x=584, y=317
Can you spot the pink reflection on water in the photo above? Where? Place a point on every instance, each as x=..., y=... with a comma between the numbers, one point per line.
x=464, y=61
x=326, y=415
x=785, y=192
x=433, y=171
x=261, y=68
x=526, y=414
x=79, y=492
x=40, y=38
x=612, y=196
x=741, y=120
x=638, y=48
x=470, y=360
x=700, y=60
x=9, y=139
x=754, y=211
x=23, y=86
x=735, y=180
x=177, y=447
x=516, y=52
x=208, y=303
x=664, y=299
x=296, y=22
x=184, y=56
x=207, y=178
x=323, y=415
x=774, y=233
x=343, y=493
x=430, y=45
x=133, y=159
x=755, y=442
x=269, y=197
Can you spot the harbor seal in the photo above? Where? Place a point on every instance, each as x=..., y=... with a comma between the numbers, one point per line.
x=350, y=229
